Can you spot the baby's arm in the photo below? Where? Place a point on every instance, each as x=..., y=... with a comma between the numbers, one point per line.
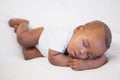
x=79, y=64
x=58, y=59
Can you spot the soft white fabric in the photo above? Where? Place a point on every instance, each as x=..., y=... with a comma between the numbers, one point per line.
x=58, y=13
x=54, y=38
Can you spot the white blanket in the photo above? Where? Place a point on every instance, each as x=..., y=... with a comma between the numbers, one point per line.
x=58, y=13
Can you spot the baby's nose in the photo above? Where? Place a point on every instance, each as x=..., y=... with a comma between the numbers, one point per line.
x=83, y=54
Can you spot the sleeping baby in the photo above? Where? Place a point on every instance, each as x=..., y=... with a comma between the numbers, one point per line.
x=80, y=48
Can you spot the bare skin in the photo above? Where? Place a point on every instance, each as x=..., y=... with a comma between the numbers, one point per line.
x=86, y=50
x=27, y=38
x=82, y=55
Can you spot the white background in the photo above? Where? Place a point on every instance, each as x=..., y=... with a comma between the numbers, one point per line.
x=64, y=12
x=58, y=13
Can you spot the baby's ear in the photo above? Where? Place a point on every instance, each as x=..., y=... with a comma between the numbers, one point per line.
x=78, y=28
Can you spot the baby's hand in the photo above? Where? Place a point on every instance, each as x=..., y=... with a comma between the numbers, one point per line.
x=78, y=64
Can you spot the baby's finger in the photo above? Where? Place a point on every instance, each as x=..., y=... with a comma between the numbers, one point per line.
x=71, y=60
x=69, y=63
x=74, y=67
x=75, y=60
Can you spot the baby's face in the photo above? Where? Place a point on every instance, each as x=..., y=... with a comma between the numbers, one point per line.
x=87, y=44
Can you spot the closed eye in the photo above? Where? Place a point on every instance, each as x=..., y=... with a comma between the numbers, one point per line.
x=85, y=43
